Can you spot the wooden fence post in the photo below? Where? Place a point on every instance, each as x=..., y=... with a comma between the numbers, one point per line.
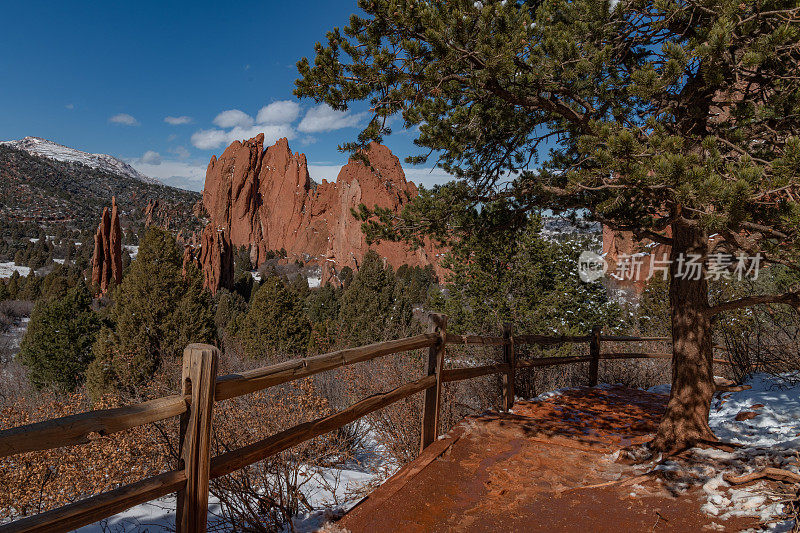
x=198, y=380
x=594, y=353
x=430, y=409
x=510, y=358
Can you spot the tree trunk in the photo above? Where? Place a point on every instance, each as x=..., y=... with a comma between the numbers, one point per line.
x=685, y=421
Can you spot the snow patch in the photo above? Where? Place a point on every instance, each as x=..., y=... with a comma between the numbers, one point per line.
x=104, y=162
x=8, y=268
x=330, y=492
x=770, y=439
x=777, y=423
x=132, y=250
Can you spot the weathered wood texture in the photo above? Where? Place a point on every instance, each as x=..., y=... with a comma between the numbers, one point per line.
x=237, y=459
x=630, y=338
x=551, y=361
x=459, y=374
x=90, y=510
x=509, y=359
x=474, y=339
x=234, y=385
x=198, y=379
x=430, y=407
x=544, y=340
x=632, y=355
x=655, y=355
x=594, y=353
x=80, y=428
x=201, y=388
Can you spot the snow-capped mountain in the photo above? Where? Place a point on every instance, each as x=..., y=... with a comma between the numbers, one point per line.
x=51, y=150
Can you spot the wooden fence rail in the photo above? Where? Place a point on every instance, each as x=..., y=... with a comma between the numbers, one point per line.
x=201, y=388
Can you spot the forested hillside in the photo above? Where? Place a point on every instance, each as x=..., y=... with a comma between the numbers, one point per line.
x=46, y=191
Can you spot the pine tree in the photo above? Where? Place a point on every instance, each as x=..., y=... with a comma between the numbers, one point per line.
x=230, y=306
x=57, y=347
x=674, y=120
x=13, y=285
x=156, y=313
x=524, y=279
x=32, y=289
x=372, y=308
x=275, y=323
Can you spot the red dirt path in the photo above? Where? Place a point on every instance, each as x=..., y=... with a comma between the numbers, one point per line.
x=524, y=472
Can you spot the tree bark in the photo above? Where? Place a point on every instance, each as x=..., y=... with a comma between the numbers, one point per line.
x=685, y=422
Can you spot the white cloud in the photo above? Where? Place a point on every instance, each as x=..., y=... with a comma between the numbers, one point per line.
x=273, y=120
x=180, y=151
x=70, y=106
x=182, y=174
x=151, y=158
x=208, y=139
x=177, y=121
x=325, y=118
x=124, y=119
x=214, y=138
x=233, y=118
x=280, y=112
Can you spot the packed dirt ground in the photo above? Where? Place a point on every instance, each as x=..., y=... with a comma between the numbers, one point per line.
x=562, y=463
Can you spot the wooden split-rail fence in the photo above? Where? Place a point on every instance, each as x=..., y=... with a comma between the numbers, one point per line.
x=201, y=388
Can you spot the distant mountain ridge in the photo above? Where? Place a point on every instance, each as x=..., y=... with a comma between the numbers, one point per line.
x=59, y=152
x=72, y=187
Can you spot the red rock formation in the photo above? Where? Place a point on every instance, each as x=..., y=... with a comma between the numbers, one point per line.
x=115, y=243
x=189, y=259
x=265, y=198
x=149, y=212
x=107, y=257
x=645, y=259
x=216, y=259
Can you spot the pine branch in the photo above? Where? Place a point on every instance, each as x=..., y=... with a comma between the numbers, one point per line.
x=788, y=298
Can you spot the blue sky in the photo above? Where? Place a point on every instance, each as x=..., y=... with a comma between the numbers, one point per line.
x=165, y=85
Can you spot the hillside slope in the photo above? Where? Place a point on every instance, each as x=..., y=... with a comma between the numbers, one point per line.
x=59, y=152
x=47, y=191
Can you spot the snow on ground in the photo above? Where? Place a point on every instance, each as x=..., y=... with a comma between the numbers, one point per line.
x=550, y=394
x=330, y=492
x=10, y=341
x=157, y=515
x=132, y=250
x=660, y=389
x=17, y=331
x=8, y=268
x=777, y=423
x=769, y=438
x=314, y=282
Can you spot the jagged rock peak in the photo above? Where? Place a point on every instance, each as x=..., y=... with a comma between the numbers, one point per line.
x=107, y=257
x=263, y=199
